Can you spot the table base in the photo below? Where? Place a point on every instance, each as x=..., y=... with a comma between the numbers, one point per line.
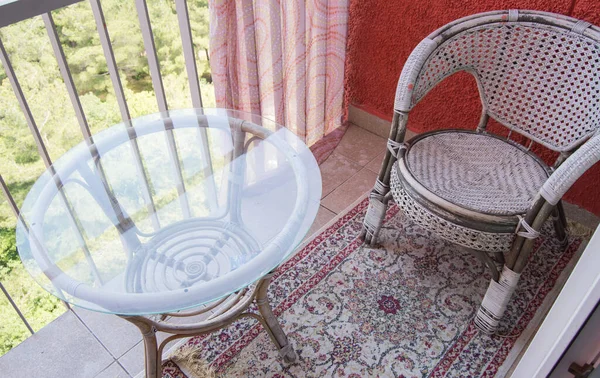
x=231, y=309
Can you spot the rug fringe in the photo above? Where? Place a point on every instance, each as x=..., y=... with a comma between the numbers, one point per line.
x=189, y=357
x=578, y=230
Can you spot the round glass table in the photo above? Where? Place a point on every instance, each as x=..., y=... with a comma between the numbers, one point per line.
x=176, y=214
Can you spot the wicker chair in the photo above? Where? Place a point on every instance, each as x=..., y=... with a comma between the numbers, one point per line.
x=538, y=74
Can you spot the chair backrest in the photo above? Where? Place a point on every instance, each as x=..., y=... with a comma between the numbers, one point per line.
x=538, y=73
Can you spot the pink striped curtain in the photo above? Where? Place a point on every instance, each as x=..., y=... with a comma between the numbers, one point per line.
x=283, y=60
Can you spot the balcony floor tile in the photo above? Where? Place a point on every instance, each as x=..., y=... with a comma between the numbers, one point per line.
x=63, y=348
x=116, y=334
x=375, y=164
x=133, y=360
x=336, y=170
x=323, y=217
x=350, y=191
x=113, y=371
x=361, y=146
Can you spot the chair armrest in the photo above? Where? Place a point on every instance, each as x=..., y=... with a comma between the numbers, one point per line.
x=410, y=72
x=568, y=172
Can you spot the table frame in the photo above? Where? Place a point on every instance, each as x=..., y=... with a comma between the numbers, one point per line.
x=228, y=310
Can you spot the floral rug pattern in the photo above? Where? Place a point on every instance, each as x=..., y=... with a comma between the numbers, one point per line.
x=171, y=370
x=403, y=309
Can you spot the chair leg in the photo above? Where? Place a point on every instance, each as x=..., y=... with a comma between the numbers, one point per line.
x=560, y=223
x=374, y=217
x=499, y=293
x=488, y=261
x=498, y=258
x=378, y=200
x=495, y=301
x=378, y=197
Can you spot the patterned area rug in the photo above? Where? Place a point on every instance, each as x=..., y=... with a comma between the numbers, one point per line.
x=404, y=309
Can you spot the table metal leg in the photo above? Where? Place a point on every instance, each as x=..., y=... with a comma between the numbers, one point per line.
x=270, y=323
x=153, y=362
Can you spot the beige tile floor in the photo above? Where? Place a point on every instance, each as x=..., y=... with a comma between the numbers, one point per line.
x=349, y=172
x=81, y=343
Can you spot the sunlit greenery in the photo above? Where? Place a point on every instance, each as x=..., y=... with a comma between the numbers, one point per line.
x=36, y=68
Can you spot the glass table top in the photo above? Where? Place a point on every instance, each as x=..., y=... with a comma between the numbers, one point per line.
x=169, y=211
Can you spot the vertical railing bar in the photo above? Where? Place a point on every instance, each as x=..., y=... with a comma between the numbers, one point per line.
x=146, y=188
x=159, y=91
x=66, y=75
x=24, y=106
x=79, y=235
x=208, y=173
x=110, y=59
x=192, y=72
x=17, y=212
x=9, y=198
x=236, y=170
x=16, y=308
x=148, y=37
x=42, y=149
x=185, y=206
x=188, y=51
x=125, y=115
x=150, y=206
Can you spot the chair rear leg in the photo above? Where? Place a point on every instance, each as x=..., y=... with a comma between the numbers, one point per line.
x=485, y=258
x=560, y=223
x=498, y=258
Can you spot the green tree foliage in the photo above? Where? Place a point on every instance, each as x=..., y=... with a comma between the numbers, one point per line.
x=36, y=68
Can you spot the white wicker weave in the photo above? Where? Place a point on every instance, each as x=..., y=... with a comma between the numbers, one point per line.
x=534, y=78
x=412, y=67
x=476, y=171
x=467, y=237
x=538, y=74
x=566, y=175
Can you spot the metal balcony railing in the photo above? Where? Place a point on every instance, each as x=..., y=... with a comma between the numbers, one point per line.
x=13, y=11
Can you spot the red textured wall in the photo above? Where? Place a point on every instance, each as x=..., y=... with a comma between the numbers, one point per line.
x=381, y=35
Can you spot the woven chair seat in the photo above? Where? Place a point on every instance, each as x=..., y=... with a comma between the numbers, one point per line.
x=476, y=171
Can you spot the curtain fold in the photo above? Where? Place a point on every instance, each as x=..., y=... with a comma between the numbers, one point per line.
x=283, y=60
